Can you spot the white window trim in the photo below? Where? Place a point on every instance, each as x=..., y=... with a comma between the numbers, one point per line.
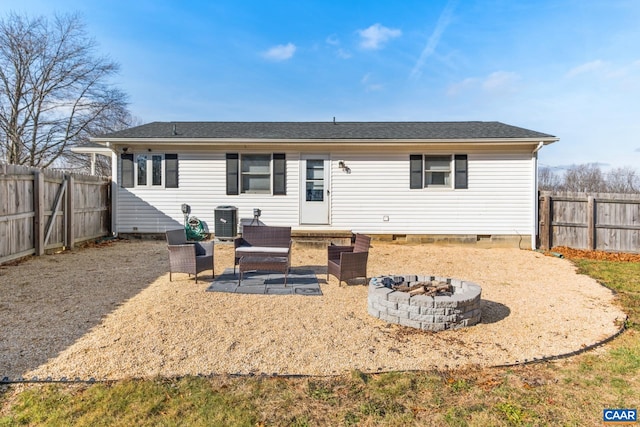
x=450, y=171
x=242, y=174
x=149, y=161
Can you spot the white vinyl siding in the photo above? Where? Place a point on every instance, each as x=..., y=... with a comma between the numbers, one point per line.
x=499, y=198
x=203, y=187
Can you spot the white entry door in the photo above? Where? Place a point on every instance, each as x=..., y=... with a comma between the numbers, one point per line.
x=314, y=189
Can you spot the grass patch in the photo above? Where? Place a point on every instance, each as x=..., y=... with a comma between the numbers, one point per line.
x=623, y=278
x=570, y=392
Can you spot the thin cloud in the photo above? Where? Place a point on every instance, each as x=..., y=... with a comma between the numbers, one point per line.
x=625, y=74
x=443, y=22
x=344, y=54
x=462, y=86
x=586, y=68
x=281, y=52
x=377, y=35
x=369, y=85
x=496, y=83
x=334, y=42
x=500, y=81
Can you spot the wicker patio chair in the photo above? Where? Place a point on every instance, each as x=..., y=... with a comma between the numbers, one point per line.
x=349, y=262
x=188, y=257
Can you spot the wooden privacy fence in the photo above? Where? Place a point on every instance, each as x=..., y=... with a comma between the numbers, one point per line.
x=43, y=209
x=598, y=221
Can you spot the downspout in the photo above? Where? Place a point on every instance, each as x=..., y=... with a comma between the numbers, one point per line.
x=114, y=189
x=534, y=233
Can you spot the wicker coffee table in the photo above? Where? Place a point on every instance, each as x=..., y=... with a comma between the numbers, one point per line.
x=267, y=263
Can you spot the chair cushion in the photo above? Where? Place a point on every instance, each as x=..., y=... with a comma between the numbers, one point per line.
x=261, y=249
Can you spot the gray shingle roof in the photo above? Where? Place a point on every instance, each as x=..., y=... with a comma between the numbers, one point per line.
x=326, y=130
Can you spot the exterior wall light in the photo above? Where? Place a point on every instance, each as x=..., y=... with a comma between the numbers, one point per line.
x=342, y=165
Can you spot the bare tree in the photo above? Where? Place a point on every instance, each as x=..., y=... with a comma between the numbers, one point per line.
x=623, y=180
x=109, y=124
x=53, y=90
x=548, y=179
x=587, y=178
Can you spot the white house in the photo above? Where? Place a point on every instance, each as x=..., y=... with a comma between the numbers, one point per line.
x=428, y=181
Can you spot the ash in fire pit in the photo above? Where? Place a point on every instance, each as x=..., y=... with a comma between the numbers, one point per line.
x=429, y=287
x=425, y=302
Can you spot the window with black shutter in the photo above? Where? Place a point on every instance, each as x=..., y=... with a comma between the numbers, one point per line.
x=256, y=173
x=149, y=170
x=127, y=170
x=461, y=174
x=438, y=171
x=171, y=170
x=416, y=171
x=279, y=174
x=232, y=173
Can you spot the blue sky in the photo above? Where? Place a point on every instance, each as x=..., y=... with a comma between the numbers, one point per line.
x=570, y=68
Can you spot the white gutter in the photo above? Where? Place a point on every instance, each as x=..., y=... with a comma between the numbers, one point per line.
x=540, y=145
x=321, y=141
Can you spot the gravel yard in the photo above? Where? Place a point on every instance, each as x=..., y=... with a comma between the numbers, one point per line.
x=110, y=312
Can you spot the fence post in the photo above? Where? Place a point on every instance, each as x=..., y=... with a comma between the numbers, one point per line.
x=38, y=218
x=591, y=223
x=70, y=213
x=546, y=229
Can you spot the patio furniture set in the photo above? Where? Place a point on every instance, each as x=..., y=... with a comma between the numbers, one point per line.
x=264, y=248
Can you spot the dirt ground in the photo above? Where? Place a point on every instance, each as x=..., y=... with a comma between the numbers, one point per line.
x=109, y=311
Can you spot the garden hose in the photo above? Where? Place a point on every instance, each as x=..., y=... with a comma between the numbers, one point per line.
x=194, y=229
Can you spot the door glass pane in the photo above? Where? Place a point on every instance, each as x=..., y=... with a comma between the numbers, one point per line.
x=315, y=169
x=315, y=191
x=315, y=181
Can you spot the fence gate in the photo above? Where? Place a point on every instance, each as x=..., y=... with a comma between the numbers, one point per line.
x=42, y=210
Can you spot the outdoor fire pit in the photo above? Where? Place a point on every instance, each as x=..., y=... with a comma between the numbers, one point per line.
x=429, y=303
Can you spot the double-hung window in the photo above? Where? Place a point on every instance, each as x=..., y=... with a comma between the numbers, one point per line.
x=256, y=173
x=150, y=170
x=438, y=171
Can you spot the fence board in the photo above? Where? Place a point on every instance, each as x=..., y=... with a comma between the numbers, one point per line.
x=607, y=222
x=27, y=200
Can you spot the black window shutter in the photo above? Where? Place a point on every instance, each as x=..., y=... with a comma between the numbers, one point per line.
x=127, y=170
x=232, y=173
x=415, y=171
x=461, y=168
x=171, y=170
x=279, y=174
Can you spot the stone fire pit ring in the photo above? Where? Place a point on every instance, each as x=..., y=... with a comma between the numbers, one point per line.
x=430, y=313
